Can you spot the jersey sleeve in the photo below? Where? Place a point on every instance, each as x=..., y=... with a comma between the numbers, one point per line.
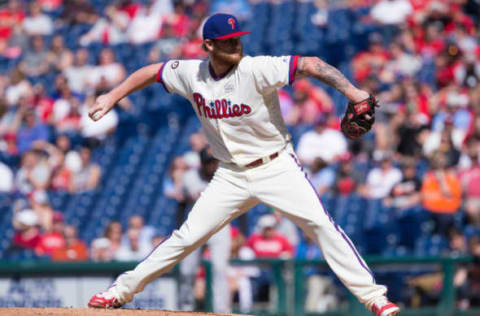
x=173, y=75
x=274, y=72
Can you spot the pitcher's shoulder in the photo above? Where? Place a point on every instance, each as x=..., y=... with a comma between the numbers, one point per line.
x=248, y=63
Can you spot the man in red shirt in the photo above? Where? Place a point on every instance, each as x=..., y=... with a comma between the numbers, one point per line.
x=53, y=239
x=26, y=235
x=269, y=244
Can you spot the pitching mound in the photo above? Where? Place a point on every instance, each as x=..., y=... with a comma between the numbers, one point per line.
x=94, y=312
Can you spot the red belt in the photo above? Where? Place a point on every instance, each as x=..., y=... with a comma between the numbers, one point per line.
x=261, y=161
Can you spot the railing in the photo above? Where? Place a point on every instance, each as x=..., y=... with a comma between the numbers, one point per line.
x=446, y=307
x=286, y=303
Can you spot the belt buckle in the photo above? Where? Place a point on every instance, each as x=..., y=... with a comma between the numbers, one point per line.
x=266, y=159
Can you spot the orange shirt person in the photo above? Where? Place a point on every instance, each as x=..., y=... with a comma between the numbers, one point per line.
x=441, y=188
x=73, y=250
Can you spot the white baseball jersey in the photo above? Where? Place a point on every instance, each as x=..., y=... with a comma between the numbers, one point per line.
x=240, y=112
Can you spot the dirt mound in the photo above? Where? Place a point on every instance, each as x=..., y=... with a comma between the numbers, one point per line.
x=94, y=312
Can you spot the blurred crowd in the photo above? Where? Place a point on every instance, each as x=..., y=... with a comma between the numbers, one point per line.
x=422, y=60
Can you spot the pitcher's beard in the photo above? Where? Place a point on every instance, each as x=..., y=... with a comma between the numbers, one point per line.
x=226, y=58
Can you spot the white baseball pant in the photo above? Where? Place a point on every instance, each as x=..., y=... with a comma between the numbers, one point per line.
x=281, y=184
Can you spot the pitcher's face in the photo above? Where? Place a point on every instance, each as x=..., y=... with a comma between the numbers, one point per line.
x=228, y=51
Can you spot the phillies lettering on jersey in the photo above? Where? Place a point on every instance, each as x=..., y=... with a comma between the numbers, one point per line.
x=242, y=102
x=219, y=109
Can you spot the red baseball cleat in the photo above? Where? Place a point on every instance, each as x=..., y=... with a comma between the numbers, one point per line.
x=385, y=308
x=104, y=300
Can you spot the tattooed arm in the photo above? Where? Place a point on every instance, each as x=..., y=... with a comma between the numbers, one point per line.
x=320, y=70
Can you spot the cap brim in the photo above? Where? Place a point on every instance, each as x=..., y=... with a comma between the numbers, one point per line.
x=232, y=35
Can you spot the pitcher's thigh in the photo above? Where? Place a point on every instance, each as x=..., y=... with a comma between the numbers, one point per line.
x=217, y=206
x=292, y=194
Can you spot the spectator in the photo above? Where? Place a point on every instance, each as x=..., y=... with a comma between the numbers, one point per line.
x=470, y=175
x=287, y=228
x=166, y=46
x=391, y=12
x=30, y=131
x=18, y=88
x=381, y=180
x=24, y=174
x=268, y=243
x=428, y=287
x=37, y=23
x=320, y=18
x=35, y=61
x=320, y=289
x=241, y=8
x=59, y=56
x=347, y=178
x=197, y=143
x=163, y=7
x=74, y=249
x=50, y=5
x=239, y=276
x=78, y=12
x=441, y=192
x=406, y=193
x=41, y=206
x=467, y=74
x=145, y=233
x=178, y=20
x=310, y=102
x=87, y=177
x=410, y=127
x=145, y=26
x=108, y=29
x=113, y=233
x=323, y=142
x=107, y=73
x=452, y=116
x=467, y=279
x=134, y=251
x=401, y=64
x=472, y=211
x=27, y=235
x=172, y=186
x=100, y=250
x=322, y=176
x=66, y=115
x=6, y=185
x=470, y=180
x=431, y=42
x=371, y=61
x=10, y=16
x=78, y=73
x=62, y=175
x=53, y=239
x=191, y=48
x=43, y=103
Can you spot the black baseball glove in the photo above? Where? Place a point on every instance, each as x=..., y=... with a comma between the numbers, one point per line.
x=359, y=117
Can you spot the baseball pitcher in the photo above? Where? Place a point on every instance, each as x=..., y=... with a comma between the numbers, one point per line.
x=235, y=98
